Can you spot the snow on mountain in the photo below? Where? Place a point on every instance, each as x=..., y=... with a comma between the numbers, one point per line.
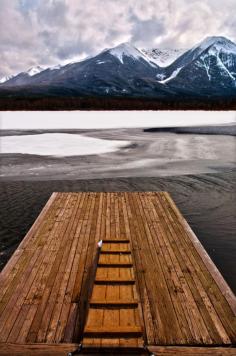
x=163, y=57
x=5, y=79
x=128, y=50
x=173, y=75
x=213, y=59
x=57, y=66
x=29, y=73
x=218, y=53
x=216, y=43
x=208, y=68
x=34, y=70
x=125, y=49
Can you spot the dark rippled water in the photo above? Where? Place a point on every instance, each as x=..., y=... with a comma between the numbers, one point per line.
x=207, y=201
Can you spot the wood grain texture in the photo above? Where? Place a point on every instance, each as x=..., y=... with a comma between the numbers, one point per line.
x=64, y=349
x=46, y=285
x=192, y=351
x=113, y=315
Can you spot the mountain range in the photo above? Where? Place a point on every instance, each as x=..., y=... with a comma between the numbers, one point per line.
x=206, y=70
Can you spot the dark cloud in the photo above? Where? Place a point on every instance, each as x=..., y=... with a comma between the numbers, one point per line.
x=47, y=32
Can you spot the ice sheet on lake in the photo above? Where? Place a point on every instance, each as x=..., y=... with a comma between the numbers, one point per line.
x=111, y=119
x=57, y=144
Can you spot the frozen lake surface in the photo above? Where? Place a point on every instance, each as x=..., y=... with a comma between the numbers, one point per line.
x=59, y=144
x=112, y=153
x=111, y=119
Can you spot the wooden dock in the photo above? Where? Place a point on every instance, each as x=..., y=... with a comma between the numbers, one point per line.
x=181, y=303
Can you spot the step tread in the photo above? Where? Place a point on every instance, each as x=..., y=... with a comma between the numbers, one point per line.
x=116, y=241
x=115, y=264
x=114, y=281
x=113, y=330
x=114, y=252
x=114, y=302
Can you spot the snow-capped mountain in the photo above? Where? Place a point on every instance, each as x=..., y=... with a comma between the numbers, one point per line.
x=129, y=51
x=208, y=66
x=163, y=57
x=5, y=79
x=35, y=70
x=208, y=69
x=23, y=77
x=122, y=70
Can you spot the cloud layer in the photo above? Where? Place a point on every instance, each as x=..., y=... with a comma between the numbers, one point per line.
x=48, y=32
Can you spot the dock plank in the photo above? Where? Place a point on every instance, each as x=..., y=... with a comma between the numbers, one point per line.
x=46, y=285
x=215, y=302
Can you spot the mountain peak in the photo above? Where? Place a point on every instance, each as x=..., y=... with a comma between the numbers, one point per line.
x=218, y=41
x=124, y=46
x=125, y=49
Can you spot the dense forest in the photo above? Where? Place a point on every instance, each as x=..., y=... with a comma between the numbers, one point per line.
x=104, y=103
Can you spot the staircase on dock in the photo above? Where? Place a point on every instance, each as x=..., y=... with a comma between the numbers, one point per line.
x=113, y=316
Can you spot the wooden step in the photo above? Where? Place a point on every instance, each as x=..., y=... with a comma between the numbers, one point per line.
x=118, y=303
x=115, y=252
x=114, y=281
x=91, y=348
x=116, y=241
x=115, y=331
x=115, y=264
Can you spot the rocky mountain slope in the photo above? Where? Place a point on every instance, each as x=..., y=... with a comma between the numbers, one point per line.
x=208, y=69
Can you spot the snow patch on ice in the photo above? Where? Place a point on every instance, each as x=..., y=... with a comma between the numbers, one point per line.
x=58, y=144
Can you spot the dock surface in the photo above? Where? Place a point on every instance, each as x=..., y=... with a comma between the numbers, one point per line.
x=46, y=287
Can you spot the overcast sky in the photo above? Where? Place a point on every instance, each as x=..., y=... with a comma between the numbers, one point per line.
x=48, y=32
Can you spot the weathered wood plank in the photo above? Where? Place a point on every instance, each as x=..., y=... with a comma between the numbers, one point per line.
x=126, y=227
x=158, y=245
x=59, y=316
x=221, y=283
x=45, y=287
x=192, y=351
x=36, y=349
x=41, y=320
x=212, y=300
x=168, y=330
x=170, y=265
x=81, y=292
x=64, y=349
x=214, y=324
